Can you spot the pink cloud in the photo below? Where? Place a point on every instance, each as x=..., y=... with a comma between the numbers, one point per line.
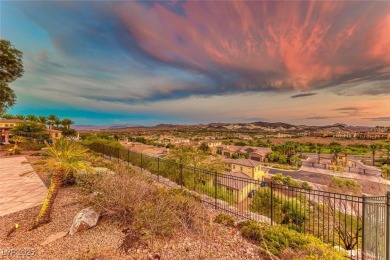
x=297, y=45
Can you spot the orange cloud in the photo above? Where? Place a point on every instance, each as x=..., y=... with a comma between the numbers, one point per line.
x=283, y=45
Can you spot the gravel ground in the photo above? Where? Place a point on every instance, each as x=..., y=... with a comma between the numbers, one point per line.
x=214, y=241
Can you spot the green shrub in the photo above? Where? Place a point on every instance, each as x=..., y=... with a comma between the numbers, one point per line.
x=287, y=180
x=285, y=243
x=224, y=219
x=250, y=230
x=386, y=171
x=347, y=185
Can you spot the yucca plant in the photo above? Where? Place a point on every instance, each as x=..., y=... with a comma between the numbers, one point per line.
x=64, y=158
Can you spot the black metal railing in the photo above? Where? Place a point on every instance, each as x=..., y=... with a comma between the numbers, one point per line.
x=342, y=220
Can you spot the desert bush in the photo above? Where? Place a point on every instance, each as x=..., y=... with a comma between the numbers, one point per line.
x=347, y=185
x=386, y=171
x=224, y=219
x=287, y=180
x=136, y=202
x=281, y=241
x=32, y=145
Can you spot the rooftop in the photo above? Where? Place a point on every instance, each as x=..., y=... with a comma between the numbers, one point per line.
x=243, y=162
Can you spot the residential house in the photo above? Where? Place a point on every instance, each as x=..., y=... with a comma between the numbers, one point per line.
x=6, y=125
x=211, y=143
x=240, y=178
x=374, y=135
x=251, y=168
x=54, y=134
x=236, y=185
x=251, y=152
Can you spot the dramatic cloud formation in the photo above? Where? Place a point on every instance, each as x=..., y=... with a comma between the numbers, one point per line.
x=137, y=55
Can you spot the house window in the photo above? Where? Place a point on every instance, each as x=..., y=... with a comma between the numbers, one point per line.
x=6, y=124
x=241, y=168
x=234, y=167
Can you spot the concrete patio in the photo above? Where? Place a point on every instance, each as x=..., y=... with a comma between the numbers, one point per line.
x=20, y=186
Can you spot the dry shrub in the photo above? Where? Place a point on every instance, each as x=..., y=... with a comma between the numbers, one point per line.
x=137, y=203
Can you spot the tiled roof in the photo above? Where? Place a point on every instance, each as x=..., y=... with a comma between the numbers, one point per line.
x=12, y=121
x=243, y=162
x=234, y=183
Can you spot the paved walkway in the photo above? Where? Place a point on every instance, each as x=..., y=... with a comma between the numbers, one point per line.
x=20, y=186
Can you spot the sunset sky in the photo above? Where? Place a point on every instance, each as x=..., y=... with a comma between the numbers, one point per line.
x=145, y=63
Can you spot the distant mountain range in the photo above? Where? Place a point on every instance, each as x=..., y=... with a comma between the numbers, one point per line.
x=101, y=127
x=245, y=127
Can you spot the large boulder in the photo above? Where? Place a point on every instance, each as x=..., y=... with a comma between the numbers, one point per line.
x=84, y=220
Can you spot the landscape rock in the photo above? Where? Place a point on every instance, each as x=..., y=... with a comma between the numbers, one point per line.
x=84, y=220
x=54, y=237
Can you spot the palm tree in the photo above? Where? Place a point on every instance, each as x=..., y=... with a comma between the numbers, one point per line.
x=66, y=122
x=387, y=148
x=64, y=158
x=17, y=140
x=374, y=147
x=336, y=149
x=319, y=150
x=8, y=116
x=57, y=122
x=32, y=118
x=21, y=117
x=42, y=119
x=51, y=120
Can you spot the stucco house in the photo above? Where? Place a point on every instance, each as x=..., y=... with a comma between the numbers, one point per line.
x=251, y=152
x=54, y=134
x=250, y=168
x=236, y=185
x=5, y=126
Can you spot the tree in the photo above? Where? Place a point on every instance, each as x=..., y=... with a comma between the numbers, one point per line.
x=20, y=116
x=8, y=116
x=319, y=150
x=64, y=158
x=7, y=97
x=32, y=118
x=204, y=147
x=387, y=148
x=51, y=120
x=11, y=68
x=42, y=119
x=374, y=147
x=336, y=150
x=66, y=122
x=57, y=122
x=17, y=140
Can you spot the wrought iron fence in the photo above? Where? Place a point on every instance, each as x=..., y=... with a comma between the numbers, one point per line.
x=346, y=221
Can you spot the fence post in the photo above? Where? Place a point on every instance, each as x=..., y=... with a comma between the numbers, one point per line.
x=158, y=169
x=272, y=204
x=387, y=241
x=215, y=190
x=363, y=225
